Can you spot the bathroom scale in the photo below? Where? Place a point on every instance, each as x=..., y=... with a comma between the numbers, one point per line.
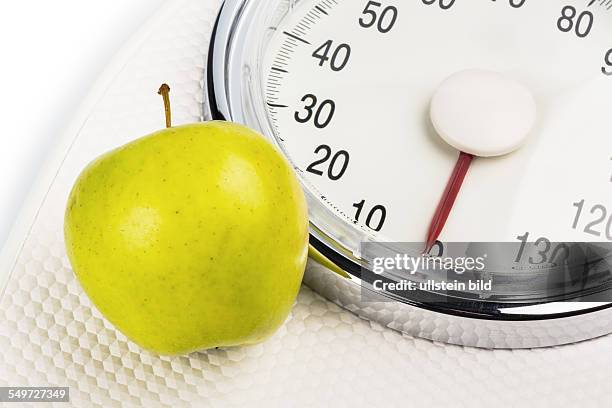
x=342, y=88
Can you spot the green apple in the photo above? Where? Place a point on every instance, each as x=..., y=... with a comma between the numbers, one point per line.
x=190, y=238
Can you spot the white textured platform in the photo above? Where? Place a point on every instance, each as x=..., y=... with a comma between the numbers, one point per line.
x=323, y=356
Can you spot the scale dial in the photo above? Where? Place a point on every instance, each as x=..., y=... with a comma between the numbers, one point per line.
x=344, y=89
x=348, y=85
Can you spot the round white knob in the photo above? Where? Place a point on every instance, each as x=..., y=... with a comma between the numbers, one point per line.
x=483, y=113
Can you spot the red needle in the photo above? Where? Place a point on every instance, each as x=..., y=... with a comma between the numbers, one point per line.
x=448, y=199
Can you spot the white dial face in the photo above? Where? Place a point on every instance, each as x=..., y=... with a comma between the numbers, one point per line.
x=348, y=84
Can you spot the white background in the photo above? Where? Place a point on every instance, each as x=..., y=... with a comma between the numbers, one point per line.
x=52, y=52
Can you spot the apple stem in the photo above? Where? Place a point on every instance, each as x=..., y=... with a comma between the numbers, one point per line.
x=164, y=91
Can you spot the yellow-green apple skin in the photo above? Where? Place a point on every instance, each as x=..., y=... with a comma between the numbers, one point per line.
x=190, y=238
